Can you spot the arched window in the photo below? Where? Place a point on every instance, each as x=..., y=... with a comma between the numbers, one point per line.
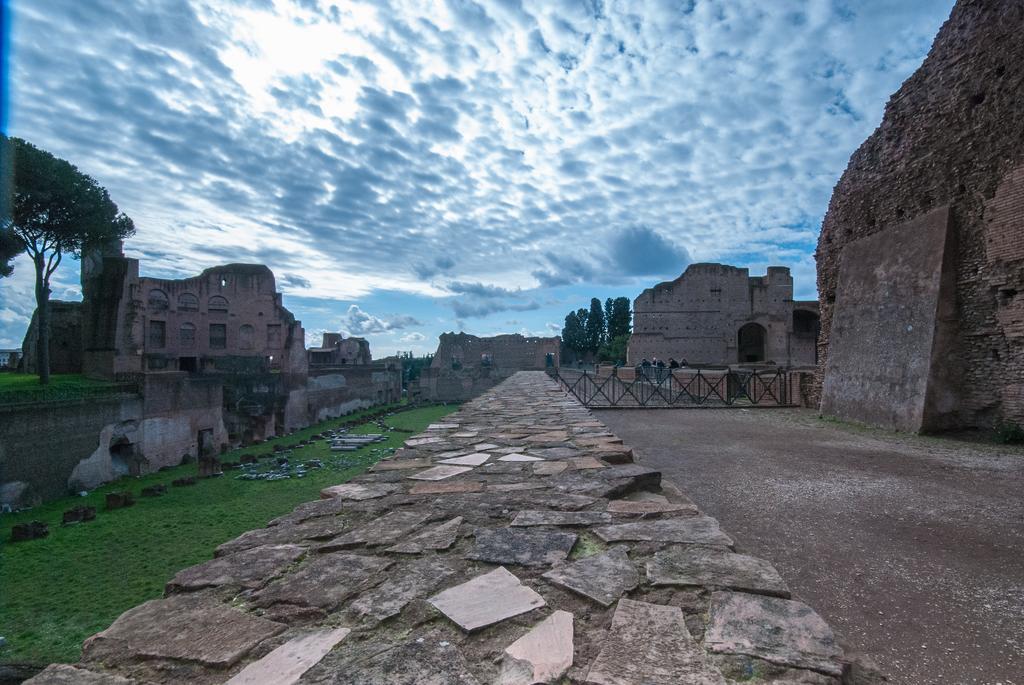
x=750, y=341
x=246, y=333
x=187, y=302
x=217, y=305
x=158, y=299
x=187, y=335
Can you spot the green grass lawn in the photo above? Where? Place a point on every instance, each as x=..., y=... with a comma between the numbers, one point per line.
x=56, y=591
x=24, y=387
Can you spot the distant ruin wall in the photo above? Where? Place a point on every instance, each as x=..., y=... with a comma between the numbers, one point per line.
x=42, y=444
x=65, y=339
x=339, y=392
x=466, y=365
x=950, y=137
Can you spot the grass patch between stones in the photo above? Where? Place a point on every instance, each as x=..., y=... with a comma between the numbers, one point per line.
x=58, y=590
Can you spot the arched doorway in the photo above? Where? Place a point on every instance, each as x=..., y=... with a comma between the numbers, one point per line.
x=750, y=343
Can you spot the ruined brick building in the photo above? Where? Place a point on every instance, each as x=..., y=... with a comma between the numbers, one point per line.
x=715, y=314
x=466, y=365
x=921, y=253
x=207, y=362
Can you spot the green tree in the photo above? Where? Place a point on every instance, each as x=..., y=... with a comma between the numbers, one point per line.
x=608, y=306
x=572, y=332
x=10, y=247
x=53, y=209
x=595, y=326
x=619, y=323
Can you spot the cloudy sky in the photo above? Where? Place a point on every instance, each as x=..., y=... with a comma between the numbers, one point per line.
x=408, y=167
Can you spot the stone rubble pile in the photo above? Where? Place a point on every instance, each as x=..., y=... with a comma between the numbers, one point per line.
x=516, y=542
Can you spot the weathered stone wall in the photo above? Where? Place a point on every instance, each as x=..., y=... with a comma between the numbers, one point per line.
x=698, y=318
x=42, y=444
x=65, y=339
x=337, y=392
x=466, y=365
x=951, y=137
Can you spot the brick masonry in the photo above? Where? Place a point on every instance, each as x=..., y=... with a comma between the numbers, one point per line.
x=950, y=137
x=556, y=559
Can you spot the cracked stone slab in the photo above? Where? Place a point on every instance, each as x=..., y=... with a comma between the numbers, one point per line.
x=542, y=655
x=523, y=547
x=650, y=644
x=430, y=659
x=385, y=530
x=400, y=464
x=65, y=674
x=446, y=488
x=440, y=472
x=485, y=446
x=556, y=452
x=358, y=491
x=465, y=434
x=487, y=599
x=549, y=468
x=583, y=463
x=416, y=442
x=286, y=664
x=603, y=577
x=516, y=487
x=325, y=581
x=701, y=530
x=320, y=528
x=411, y=582
x=182, y=627
x=715, y=567
x=781, y=631
x=628, y=506
x=517, y=456
x=532, y=517
x=442, y=536
x=249, y=568
x=474, y=459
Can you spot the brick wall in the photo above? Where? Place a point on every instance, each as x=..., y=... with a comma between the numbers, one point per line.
x=951, y=136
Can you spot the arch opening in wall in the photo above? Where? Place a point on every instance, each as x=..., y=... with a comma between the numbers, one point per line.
x=750, y=342
x=217, y=305
x=187, y=302
x=157, y=299
x=122, y=457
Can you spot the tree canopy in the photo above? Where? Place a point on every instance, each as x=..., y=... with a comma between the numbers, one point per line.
x=50, y=209
x=601, y=331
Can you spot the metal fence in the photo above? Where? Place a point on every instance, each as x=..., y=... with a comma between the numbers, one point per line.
x=658, y=387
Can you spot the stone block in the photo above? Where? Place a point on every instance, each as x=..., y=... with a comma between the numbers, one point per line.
x=486, y=600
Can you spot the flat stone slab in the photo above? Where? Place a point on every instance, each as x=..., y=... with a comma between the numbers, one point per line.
x=385, y=530
x=715, y=567
x=603, y=577
x=556, y=452
x=700, y=530
x=448, y=487
x=400, y=465
x=250, y=568
x=543, y=655
x=465, y=434
x=438, y=537
x=517, y=487
x=286, y=664
x=484, y=446
x=517, y=456
x=628, y=506
x=781, y=631
x=416, y=442
x=410, y=582
x=523, y=547
x=325, y=581
x=183, y=628
x=65, y=674
x=440, y=472
x=583, y=463
x=419, y=659
x=486, y=600
x=649, y=644
x=474, y=459
x=359, y=491
x=442, y=426
x=549, y=468
x=531, y=517
x=322, y=528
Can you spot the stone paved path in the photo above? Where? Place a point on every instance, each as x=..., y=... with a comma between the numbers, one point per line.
x=548, y=556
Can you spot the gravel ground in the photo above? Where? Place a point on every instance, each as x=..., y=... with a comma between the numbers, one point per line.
x=912, y=548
